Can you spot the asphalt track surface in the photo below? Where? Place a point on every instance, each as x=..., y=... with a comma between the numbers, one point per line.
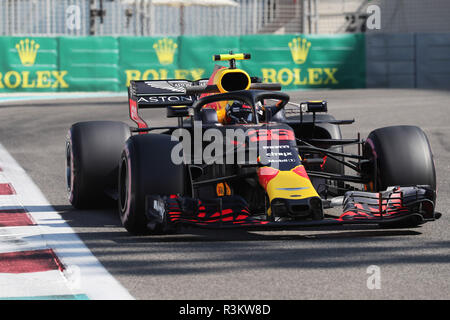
x=310, y=263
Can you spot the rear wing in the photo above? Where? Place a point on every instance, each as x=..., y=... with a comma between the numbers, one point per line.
x=159, y=94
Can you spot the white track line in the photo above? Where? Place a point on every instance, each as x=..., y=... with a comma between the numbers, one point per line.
x=33, y=285
x=84, y=273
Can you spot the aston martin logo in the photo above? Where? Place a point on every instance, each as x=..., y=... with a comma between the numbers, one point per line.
x=174, y=86
x=299, y=49
x=27, y=51
x=165, y=50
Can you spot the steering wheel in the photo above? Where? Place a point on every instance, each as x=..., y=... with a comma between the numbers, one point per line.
x=282, y=97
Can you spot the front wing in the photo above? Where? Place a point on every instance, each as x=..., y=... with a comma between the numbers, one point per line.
x=393, y=207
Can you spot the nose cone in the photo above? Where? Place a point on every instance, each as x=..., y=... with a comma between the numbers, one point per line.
x=292, y=184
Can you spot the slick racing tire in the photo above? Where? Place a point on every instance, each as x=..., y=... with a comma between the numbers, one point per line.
x=146, y=169
x=93, y=150
x=401, y=157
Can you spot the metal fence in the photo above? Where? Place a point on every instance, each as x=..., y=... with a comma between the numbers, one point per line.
x=142, y=17
x=396, y=16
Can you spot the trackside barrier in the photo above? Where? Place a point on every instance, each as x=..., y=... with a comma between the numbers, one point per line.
x=408, y=60
x=43, y=64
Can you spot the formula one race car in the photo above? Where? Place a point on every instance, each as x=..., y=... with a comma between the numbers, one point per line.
x=243, y=156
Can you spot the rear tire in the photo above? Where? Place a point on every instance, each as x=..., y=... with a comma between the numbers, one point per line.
x=402, y=155
x=93, y=151
x=146, y=168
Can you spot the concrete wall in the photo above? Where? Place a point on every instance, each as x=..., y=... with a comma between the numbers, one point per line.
x=408, y=60
x=433, y=60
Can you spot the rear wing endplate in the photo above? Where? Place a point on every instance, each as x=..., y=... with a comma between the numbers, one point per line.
x=159, y=94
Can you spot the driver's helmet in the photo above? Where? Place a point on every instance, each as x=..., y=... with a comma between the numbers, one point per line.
x=237, y=112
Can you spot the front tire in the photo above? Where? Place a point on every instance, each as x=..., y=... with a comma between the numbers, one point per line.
x=146, y=168
x=401, y=157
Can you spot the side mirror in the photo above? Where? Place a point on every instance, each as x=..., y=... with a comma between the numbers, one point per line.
x=314, y=106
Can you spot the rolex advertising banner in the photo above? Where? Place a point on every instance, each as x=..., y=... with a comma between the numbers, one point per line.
x=91, y=63
x=307, y=61
x=171, y=57
x=41, y=64
x=198, y=58
x=147, y=58
x=38, y=64
x=23, y=69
